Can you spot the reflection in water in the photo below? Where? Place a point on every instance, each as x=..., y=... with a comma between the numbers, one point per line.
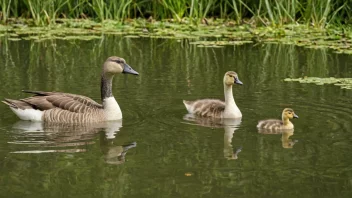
x=62, y=136
x=114, y=154
x=229, y=125
x=285, y=134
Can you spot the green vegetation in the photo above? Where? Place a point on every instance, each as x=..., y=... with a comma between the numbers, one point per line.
x=218, y=34
x=255, y=12
x=344, y=83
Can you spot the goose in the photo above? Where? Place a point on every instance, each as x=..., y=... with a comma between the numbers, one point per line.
x=72, y=108
x=274, y=124
x=217, y=108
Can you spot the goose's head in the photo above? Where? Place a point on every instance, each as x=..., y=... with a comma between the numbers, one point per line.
x=115, y=65
x=231, y=78
x=288, y=113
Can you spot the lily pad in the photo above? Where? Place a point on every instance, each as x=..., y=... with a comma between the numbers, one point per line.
x=14, y=39
x=343, y=83
x=132, y=36
x=219, y=33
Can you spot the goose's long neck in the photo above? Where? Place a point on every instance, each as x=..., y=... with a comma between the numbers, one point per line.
x=112, y=110
x=229, y=100
x=285, y=120
x=106, y=86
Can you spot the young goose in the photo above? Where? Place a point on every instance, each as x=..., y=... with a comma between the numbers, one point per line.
x=72, y=108
x=285, y=123
x=217, y=108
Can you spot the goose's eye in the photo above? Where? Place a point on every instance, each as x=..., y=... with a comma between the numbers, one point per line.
x=118, y=61
x=289, y=112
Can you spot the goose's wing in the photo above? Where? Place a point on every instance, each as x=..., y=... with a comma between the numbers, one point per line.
x=205, y=107
x=50, y=100
x=269, y=126
x=80, y=98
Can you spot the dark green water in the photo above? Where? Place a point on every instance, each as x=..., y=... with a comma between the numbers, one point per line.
x=168, y=156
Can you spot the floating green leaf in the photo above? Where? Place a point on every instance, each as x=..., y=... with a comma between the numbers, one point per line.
x=344, y=83
x=219, y=33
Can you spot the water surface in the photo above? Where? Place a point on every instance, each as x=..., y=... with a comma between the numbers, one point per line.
x=155, y=151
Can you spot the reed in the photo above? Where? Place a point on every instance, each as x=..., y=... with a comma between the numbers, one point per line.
x=176, y=8
x=199, y=9
x=269, y=12
x=5, y=9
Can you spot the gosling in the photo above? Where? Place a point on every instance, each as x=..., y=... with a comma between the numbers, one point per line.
x=274, y=124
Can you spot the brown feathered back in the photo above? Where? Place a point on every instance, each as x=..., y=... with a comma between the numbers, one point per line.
x=271, y=124
x=207, y=107
x=61, y=107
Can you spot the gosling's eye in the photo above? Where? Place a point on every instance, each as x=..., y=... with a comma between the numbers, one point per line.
x=289, y=112
x=118, y=61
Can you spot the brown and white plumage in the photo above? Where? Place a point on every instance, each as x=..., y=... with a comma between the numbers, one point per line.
x=73, y=108
x=274, y=125
x=206, y=107
x=217, y=108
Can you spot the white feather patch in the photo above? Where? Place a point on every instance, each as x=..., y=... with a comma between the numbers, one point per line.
x=28, y=114
x=112, y=109
x=189, y=108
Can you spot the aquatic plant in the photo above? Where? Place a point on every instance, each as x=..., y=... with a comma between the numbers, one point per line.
x=177, y=8
x=218, y=34
x=344, y=83
x=255, y=12
x=200, y=8
x=5, y=9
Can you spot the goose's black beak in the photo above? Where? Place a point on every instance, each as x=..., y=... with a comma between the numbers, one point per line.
x=128, y=70
x=295, y=116
x=237, y=81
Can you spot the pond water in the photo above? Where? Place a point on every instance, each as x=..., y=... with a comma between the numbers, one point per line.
x=154, y=151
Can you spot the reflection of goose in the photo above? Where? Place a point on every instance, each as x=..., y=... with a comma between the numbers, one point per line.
x=69, y=137
x=72, y=108
x=286, y=142
x=115, y=154
x=217, y=108
x=229, y=125
x=72, y=131
x=285, y=134
x=63, y=135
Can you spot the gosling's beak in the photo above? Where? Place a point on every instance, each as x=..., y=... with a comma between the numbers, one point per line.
x=295, y=116
x=128, y=70
x=237, y=81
